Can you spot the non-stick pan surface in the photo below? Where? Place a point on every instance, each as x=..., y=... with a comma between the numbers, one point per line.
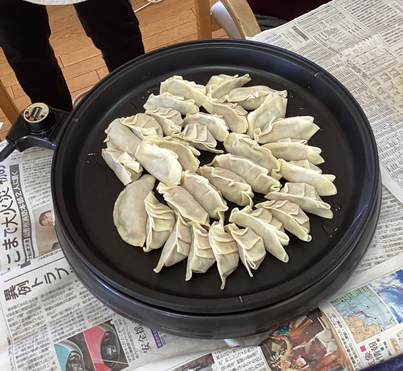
x=85, y=189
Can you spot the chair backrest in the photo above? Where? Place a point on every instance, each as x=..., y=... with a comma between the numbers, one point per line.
x=239, y=11
x=243, y=17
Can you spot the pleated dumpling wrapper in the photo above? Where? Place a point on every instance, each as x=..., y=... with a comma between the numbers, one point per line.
x=295, y=150
x=169, y=119
x=255, y=175
x=205, y=194
x=250, y=246
x=232, y=186
x=214, y=123
x=305, y=196
x=201, y=255
x=234, y=118
x=177, y=246
x=168, y=100
x=251, y=97
x=187, y=154
x=125, y=167
x=323, y=183
x=200, y=137
x=273, y=107
x=290, y=214
x=244, y=146
x=160, y=223
x=298, y=127
x=129, y=213
x=143, y=125
x=162, y=163
x=273, y=238
x=225, y=250
x=177, y=86
x=220, y=85
x=179, y=199
x=120, y=137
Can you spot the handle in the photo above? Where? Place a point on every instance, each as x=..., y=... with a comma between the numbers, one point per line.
x=37, y=125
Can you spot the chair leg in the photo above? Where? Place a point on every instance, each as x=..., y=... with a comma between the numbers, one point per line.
x=203, y=19
x=7, y=105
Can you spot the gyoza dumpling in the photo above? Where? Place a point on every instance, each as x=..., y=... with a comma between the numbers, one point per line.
x=252, y=97
x=214, y=123
x=273, y=107
x=143, y=125
x=120, y=137
x=250, y=246
x=201, y=255
x=225, y=250
x=295, y=150
x=290, y=214
x=177, y=247
x=126, y=168
x=160, y=162
x=205, y=194
x=234, y=119
x=255, y=175
x=169, y=119
x=244, y=146
x=160, y=223
x=220, y=85
x=185, y=152
x=298, y=127
x=129, y=213
x=305, y=196
x=177, y=86
x=268, y=217
x=306, y=165
x=273, y=239
x=233, y=187
x=323, y=183
x=200, y=137
x=178, y=198
x=170, y=101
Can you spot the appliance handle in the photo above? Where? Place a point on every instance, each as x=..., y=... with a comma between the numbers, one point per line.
x=38, y=125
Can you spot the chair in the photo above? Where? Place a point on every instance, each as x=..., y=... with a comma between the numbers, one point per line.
x=235, y=16
x=7, y=105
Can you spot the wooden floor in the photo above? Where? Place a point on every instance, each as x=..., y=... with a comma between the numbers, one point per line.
x=161, y=24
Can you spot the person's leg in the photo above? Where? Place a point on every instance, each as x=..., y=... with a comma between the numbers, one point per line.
x=24, y=37
x=113, y=28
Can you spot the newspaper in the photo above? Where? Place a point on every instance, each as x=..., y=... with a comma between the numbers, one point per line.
x=360, y=43
x=358, y=327
x=47, y=316
x=26, y=207
x=50, y=321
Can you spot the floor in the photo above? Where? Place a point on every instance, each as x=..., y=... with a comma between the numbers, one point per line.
x=165, y=23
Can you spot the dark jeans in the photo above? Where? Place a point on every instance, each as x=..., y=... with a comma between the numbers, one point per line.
x=24, y=37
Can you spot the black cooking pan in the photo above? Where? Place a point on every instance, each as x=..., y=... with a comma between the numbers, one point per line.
x=85, y=189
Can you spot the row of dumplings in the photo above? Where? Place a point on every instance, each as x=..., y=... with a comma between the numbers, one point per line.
x=261, y=147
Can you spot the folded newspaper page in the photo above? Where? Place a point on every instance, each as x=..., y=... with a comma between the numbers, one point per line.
x=361, y=44
x=50, y=321
x=26, y=207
